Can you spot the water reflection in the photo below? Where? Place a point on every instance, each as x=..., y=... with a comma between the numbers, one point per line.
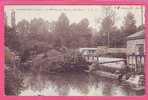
x=73, y=83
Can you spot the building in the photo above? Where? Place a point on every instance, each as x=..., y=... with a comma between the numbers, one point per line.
x=88, y=51
x=89, y=54
x=136, y=52
x=97, y=55
x=136, y=44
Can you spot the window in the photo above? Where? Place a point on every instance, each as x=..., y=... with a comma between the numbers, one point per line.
x=140, y=49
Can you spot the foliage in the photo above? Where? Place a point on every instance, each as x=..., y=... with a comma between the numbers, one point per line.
x=23, y=28
x=107, y=26
x=112, y=36
x=13, y=77
x=71, y=36
x=13, y=82
x=12, y=38
x=57, y=61
x=9, y=56
x=129, y=26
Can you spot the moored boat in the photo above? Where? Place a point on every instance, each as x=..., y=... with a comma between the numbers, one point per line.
x=135, y=82
x=113, y=70
x=107, y=74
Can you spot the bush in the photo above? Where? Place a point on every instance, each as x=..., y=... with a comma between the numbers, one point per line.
x=13, y=82
x=9, y=56
x=59, y=62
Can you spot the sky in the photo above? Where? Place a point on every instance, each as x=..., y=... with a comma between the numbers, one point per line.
x=75, y=13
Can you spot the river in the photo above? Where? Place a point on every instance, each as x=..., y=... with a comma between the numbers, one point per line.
x=73, y=84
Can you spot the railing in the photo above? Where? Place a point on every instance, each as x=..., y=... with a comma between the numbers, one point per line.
x=136, y=63
x=99, y=59
x=113, y=61
x=107, y=63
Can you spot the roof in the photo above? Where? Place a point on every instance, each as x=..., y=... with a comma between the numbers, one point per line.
x=86, y=49
x=137, y=35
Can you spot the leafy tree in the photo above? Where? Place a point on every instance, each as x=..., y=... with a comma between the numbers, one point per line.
x=12, y=39
x=129, y=26
x=39, y=26
x=23, y=28
x=39, y=35
x=81, y=34
x=62, y=31
x=107, y=26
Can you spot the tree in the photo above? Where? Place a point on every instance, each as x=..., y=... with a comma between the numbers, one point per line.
x=23, y=28
x=107, y=26
x=81, y=34
x=71, y=36
x=12, y=39
x=39, y=26
x=129, y=26
x=62, y=30
x=38, y=35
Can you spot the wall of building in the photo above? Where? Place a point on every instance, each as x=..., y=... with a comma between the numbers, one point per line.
x=135, y=60
x=131, y=46
x=105, y=50
x=88, y=51
x=117, y=50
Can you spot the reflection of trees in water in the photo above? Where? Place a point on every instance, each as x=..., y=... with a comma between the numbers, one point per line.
x=106, y=88
x=36, y=82
x=65, y=81
x=104, y=84
x=81, y=83
x=62, y=81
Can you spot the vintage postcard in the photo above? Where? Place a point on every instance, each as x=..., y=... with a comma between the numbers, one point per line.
x=74, y=50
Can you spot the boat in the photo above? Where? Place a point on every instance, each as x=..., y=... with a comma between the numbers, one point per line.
x=135, y=82
x=107, y=74
x=110, y=70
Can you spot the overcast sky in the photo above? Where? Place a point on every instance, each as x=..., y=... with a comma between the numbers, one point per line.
x=75, y=13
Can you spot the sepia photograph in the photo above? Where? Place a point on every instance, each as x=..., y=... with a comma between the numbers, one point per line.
x=74, y=50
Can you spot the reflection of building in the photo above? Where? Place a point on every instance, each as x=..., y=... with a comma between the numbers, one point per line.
x=136, y=51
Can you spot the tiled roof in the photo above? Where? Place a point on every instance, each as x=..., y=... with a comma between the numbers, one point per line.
x=137, y=35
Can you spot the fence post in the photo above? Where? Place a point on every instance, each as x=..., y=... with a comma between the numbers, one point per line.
x=136, y=59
